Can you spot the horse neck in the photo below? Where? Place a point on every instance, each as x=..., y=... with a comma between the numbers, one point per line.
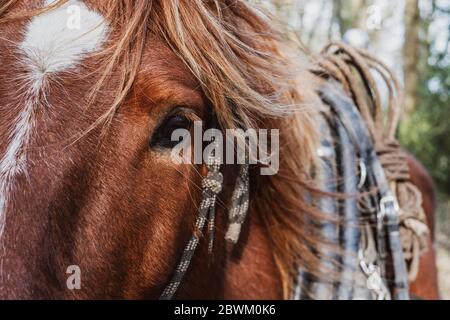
x=251, y=272
x=243, y=271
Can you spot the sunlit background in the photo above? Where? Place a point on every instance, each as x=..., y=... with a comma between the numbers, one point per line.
x=412, y=37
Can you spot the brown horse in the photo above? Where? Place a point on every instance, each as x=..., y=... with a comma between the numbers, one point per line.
x=89, y=95
x=425, y=285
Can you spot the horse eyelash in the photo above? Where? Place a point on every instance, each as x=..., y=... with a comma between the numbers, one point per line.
x=160, y=141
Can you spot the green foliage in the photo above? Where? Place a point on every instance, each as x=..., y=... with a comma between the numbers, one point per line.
x=427, y=133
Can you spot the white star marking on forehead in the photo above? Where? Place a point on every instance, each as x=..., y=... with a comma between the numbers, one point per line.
x=51, y=44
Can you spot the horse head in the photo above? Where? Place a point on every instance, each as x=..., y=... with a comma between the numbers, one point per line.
x=90, y=95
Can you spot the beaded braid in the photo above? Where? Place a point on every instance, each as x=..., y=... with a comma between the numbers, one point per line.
x=211, y=187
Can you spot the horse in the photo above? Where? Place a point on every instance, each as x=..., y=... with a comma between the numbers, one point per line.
x=90, y=94
x=425, y=285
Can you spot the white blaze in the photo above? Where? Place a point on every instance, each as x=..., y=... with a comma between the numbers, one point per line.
x=50, y=45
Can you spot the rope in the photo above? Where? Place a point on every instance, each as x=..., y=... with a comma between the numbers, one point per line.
x=239, y=205
x=355, y=70
x=211, y=187
x=394, y=161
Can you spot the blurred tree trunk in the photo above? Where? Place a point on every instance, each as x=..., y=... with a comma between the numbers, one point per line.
x=411, y=55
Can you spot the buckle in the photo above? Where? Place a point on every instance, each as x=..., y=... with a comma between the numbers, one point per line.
x=362, y=173
x=374, y=281
x=386, y=203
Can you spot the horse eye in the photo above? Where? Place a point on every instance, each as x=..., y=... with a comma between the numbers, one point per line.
x=163, y=135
